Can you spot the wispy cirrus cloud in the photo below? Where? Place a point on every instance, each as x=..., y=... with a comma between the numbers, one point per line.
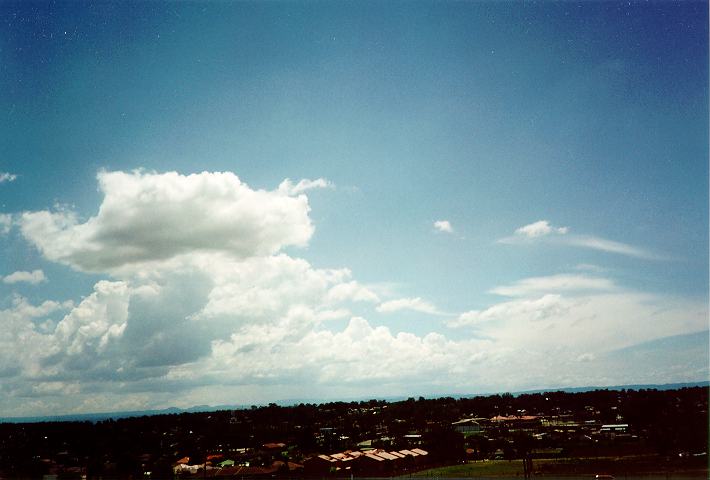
x=610, y=246
x=588, y=315
x=544, y=231
x=554, y=283
x=589, y=267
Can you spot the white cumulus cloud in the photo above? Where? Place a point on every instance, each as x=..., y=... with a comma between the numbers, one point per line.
x=34, y=277
x=149, y=217
x=7, y=177
x=289, y=188
x=203, y=305
x=96, y=320
x=540, y=229
x=416, y=304
x=352, y=291
x=531, y=309
x=25, y=309
x=443, y=226
x=5, y=223
x=360, y=354
x=586, y=357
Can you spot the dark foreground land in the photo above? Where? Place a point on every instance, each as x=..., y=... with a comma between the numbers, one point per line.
x=619, y=467
x=624, y=433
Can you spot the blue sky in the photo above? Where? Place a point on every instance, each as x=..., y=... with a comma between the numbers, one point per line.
x=561, y=147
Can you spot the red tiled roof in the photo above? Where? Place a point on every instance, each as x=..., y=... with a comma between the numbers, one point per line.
x=291, y=466
x=409, y=452
x=274, y=445
x=387, y=455
x=378, y=455
x=374, y=457
x=501, y=418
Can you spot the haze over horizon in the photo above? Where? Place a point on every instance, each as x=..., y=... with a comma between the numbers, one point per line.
x=206, y=408
x=217, y=203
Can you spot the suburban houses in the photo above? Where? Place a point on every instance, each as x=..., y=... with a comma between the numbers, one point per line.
x=372, y=438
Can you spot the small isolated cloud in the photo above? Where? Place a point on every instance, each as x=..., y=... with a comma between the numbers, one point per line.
x=288, y=187
x=539, y=229
x=5, y=223
x=7, y=177
x=444, y=226
x=33, y=278
x=416, y=304
x=544, y=231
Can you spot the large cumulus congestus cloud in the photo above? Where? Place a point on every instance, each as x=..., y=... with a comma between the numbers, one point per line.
x=197, y=266
x=148, y=216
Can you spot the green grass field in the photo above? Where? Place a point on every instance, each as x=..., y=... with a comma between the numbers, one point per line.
x=643, y=464
x=475, y=469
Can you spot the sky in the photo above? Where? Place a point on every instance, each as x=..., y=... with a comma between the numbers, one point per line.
x=252, y=202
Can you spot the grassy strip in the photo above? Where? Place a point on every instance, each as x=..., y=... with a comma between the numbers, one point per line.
x=486, y=468
x=618, y=466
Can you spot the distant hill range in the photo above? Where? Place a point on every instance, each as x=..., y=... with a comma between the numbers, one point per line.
x=665, y=386
x=97, y=417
